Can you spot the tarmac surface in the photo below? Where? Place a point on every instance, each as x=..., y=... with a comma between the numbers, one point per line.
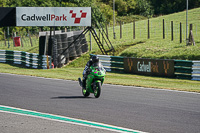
x=137, y=108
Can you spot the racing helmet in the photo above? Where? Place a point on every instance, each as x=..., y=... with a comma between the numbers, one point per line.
x=95, y=59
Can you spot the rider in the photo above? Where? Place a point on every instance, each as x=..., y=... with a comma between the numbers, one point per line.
x=93, y=60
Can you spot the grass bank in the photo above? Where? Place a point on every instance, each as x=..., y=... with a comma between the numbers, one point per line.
x=156, y=46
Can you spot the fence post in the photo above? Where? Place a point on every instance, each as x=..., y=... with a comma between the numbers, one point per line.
x=163, y=28
x=191, y=37
x=30, y=38
x=13, y=36
x=120, y=29
x=148, y=30
x=8, y=37
x=172, y=31
x=5, y=37
x=134, y=29
x=180, y=33
x=90, y=42
x=21, y=39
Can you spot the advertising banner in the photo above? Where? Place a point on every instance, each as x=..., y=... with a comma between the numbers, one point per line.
x=53, y=16
x=153, y=67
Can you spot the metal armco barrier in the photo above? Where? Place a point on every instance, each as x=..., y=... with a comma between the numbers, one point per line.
x=112, y=63
x=196, y=70
x=25, y=59
x=183, y=69
x=180, y=69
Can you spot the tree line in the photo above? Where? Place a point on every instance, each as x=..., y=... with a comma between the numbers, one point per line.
x=103, y=9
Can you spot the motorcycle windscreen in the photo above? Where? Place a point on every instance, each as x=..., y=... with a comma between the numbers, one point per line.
x=98, y=66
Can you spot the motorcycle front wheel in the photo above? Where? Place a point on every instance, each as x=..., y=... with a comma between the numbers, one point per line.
x=97, y=90
x=85, y=92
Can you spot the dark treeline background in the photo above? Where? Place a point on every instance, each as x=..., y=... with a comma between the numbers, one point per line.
x=171, y=6
x=104, y=8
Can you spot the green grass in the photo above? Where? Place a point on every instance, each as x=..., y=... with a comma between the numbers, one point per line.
x=72, y=73
x=129, y=18
x=156, y=46
x=168, y=51
x=59, y=73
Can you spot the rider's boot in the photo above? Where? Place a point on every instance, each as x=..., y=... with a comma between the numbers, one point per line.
x=84, y=83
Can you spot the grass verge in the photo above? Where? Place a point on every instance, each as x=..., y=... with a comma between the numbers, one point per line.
x=72, y=73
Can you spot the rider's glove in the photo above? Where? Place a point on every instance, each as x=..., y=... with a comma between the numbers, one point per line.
x=88, y=71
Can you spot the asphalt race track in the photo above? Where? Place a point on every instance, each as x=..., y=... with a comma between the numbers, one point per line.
x=142, y=109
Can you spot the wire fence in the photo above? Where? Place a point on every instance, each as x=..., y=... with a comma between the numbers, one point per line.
x=28, y=39
x=154, y=30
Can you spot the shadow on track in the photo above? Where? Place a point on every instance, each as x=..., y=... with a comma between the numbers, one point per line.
x=70, y=97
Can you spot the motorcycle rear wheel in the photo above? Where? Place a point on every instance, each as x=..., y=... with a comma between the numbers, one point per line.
x=85, y=92
x=97, y=91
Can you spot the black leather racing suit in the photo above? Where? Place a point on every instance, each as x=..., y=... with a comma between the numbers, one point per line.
x=85, y=74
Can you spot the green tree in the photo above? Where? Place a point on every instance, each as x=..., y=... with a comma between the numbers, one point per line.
x=144, y=8
x=171, y=6
x=131, y=5
x=29, y=3
x=121, y=7
x=107, y=12
x=14, y=3
x=3, y=3
x=68, y=4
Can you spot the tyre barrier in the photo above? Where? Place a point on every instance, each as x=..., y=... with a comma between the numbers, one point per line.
x=55, y=52
x=59, y=43
x=64, y=46
x=85, y=45
x=41, y=45
x=60, y=58
x=66, y=50
x=72, y=50
x=77, y=43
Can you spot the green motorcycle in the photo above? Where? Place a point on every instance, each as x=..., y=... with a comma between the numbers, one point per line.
x=94, y=80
